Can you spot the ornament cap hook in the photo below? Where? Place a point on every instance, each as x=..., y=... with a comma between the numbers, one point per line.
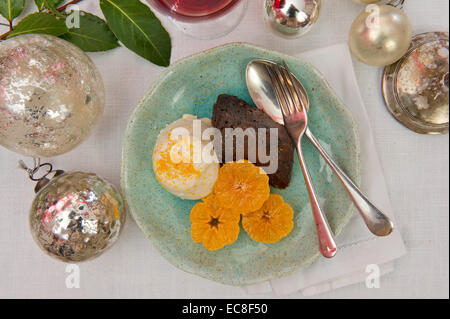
x=396, y=3
x=37, y=166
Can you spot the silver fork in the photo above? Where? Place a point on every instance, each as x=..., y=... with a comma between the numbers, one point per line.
x=296, y=122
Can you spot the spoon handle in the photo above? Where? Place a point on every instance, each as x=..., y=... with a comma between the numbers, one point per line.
x=377, y=222
x=327, y=244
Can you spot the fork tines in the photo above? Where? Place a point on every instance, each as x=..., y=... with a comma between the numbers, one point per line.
x=285, y=89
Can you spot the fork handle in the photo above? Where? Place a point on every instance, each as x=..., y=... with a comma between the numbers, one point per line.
x=327, y=243
x=377, y=222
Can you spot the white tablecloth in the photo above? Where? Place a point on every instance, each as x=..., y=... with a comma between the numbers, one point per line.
x=416, y=169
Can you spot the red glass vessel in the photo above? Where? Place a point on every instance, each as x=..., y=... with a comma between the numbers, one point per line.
x=202, y=19
x=197, y=9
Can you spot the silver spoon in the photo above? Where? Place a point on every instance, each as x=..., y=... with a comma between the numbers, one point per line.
x=262, y=91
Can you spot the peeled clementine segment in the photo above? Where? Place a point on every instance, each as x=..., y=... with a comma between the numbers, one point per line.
x=272, y=222
x=213, y=225
x=242, y=186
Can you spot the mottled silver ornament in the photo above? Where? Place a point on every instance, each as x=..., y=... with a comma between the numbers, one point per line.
x=51, y=95
x=76, y=216
x=292, y=18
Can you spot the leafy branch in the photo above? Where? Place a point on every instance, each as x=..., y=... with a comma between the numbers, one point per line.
x=64, y=7
x=129, y=21
x=11, y=9
x=18, y=6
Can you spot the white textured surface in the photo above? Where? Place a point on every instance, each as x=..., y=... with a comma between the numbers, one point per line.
x=416, y=169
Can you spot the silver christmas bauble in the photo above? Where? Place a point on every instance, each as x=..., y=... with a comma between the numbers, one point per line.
x=380, y=35
x=51, y=95
x=292, y=18
x=76, y=216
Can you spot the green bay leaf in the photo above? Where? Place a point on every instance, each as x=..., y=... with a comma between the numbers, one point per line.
x=44, y=23
x=93, y=34
x=136, y=26
x=48, y=4
x=11, y=9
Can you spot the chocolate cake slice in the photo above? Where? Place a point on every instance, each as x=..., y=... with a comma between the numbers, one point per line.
x=231, y=112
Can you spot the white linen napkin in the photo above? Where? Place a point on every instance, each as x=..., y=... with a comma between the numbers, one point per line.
x=358, y=248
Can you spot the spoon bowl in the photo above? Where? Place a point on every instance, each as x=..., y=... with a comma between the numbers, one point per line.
x=262, y=91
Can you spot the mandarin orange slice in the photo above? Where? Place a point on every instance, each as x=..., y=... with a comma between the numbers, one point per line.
x=242, y=186
x=271, y=223
x=213, y=225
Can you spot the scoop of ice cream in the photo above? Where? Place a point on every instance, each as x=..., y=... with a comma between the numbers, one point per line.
x=181, y=161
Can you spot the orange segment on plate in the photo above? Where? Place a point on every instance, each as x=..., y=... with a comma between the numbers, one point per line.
x=242, y=186
x=271, y=223
x=213, y=225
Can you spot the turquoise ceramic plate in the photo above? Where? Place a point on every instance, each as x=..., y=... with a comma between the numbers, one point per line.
x=192, y=86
